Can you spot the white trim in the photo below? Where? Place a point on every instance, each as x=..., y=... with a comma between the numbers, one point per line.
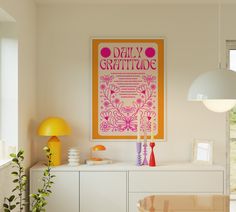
x=4, y=163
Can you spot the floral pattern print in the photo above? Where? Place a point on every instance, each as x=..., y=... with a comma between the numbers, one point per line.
x=116, y=116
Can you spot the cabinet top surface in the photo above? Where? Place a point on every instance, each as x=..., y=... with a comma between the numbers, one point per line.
x=129, y=166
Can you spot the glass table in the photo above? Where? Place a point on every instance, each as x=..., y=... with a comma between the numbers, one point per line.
x=184, y=203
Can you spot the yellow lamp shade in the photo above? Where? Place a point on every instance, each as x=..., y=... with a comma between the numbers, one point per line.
x=54, y=126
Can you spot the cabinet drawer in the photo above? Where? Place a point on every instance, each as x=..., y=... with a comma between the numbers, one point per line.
x=177, y=181
x=65, y=191
x=103, y=191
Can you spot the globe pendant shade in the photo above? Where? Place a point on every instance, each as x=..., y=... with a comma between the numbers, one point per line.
x=217, y=90
x=219, y=106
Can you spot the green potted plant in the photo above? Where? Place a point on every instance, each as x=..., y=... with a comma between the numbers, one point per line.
x=17, y=199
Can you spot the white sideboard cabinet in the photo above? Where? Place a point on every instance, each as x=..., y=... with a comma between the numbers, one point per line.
x=118, y=187
x=65, y=190
x=103, y=191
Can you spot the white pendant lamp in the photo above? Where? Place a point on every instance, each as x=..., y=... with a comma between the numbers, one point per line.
x=216, y=88
x=219, y=106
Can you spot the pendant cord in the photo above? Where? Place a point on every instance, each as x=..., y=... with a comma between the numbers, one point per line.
x=219, y=34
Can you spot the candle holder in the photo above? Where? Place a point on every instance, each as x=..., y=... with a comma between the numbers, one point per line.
x=152, y=161
x=145, y=162
x=138, y=149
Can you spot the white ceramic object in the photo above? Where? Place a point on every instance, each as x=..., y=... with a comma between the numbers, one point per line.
x=73, y=157
x=104, y=161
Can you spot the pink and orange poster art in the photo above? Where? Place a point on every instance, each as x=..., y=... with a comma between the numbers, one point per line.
x=127, y=79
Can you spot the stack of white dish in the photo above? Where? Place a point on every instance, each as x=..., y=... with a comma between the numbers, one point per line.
x=73, y=157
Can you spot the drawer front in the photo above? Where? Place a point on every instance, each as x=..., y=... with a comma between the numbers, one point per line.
x=177, y=181
x=103, y=191
x=65, y=191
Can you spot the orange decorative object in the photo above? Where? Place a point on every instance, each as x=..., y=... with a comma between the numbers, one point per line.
x=95, y=149
x=99, y=148
x=96, y=159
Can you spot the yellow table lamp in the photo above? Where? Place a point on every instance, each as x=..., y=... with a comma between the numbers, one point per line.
x=54, y=126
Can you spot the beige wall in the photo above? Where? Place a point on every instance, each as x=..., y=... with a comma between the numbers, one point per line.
x=24, y=12
x=63, y=77
x=25, y=15
x=64, y=70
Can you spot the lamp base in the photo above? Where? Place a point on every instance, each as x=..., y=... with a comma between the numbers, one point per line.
x=54, y=145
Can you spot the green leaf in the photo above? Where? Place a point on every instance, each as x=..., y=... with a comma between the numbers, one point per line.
x=6, y=210
x=39, y=199
x=20, y=153
x=45, y=148
x=14, y=173
x=12, y=207
x=15, y=181
x=15, y=160
x=12, y=197
x=12, y=155
x=5, y=205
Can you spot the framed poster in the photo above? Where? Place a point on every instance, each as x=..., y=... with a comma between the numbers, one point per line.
x=127, y=79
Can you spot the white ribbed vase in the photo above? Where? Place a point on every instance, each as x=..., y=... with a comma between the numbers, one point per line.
x=73, y=157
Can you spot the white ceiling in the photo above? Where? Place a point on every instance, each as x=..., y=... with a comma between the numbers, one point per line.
x=137, y=1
